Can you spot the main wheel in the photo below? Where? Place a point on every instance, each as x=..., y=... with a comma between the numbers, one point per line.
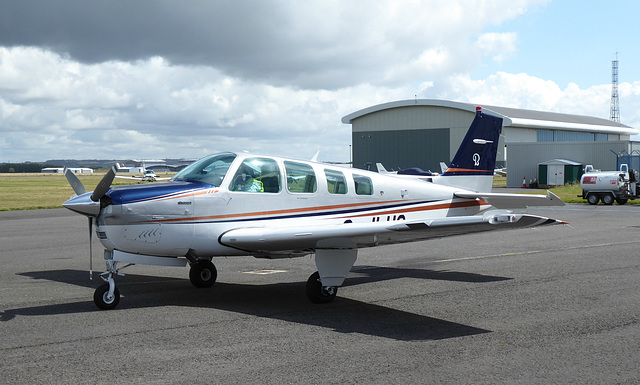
x=318, y=293
x=203, y=274
x=593, y=199
x=608, y=199
x=102, y=300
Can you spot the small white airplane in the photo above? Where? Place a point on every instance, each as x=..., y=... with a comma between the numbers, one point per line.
x=147, y=176
x=230, y=204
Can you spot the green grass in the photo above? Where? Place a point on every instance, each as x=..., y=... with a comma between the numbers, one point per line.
x=43, y=191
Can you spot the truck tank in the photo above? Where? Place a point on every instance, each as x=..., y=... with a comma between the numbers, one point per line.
x=604, y=180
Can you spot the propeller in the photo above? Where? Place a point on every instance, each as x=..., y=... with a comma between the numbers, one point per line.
x=90, y=248
x=89, y=208
x=75, y=183
x=104, y=184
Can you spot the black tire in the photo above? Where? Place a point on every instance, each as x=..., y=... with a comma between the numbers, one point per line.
x=622, y=201
x=593, y=199
x=318, y=293
x=101, y=300
x=203, y=274
x=608, y=199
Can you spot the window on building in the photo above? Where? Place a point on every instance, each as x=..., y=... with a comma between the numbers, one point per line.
x=545, y=136
x=336, y=182
x=300, y=178
x=363, y=185
x=569, y=136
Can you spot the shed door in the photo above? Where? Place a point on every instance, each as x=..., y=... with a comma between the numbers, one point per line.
x=555, y=174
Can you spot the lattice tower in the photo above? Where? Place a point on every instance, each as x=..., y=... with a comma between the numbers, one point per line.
x=615, y=107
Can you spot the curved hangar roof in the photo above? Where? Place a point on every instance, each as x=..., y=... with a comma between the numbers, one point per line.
x=513, y=117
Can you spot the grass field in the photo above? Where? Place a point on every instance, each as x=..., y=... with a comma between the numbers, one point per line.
x=45, y=191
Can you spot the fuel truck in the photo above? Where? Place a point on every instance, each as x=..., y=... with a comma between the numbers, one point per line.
x=610, y=186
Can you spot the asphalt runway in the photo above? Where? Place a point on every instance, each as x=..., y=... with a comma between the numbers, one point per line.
x=558, y=304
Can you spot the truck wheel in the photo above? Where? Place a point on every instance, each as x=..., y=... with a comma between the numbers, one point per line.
x=607, y=199
x=622, y=201
x=593, y=199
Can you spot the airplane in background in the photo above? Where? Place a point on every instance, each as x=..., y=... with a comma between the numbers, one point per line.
x=232, y=204
x=148, y=176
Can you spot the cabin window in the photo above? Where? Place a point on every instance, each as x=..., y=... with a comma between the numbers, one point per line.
x=257, y=175
x=336, y=182
x=300, y=178
x=363, y=185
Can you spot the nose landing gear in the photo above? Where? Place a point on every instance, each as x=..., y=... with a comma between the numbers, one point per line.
x=107, y=295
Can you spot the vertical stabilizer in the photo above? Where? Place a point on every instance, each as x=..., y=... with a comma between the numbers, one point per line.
x=473, y=166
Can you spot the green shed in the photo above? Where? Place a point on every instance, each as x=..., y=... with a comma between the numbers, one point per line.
x=558, y=172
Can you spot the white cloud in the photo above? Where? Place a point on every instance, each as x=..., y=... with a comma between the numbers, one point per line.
x=152, y=109
x=500, y=45
x=277, y=80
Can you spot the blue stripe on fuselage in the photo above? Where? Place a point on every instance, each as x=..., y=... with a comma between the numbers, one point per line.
x=142, y=192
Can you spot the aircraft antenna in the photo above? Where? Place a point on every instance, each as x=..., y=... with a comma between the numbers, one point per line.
x=615, y=108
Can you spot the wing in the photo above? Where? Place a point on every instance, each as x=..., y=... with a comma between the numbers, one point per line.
x=513, y=201
x=129, y=177
x=303, y=240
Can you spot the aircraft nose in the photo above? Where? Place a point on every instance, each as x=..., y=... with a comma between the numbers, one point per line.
x=82, y=204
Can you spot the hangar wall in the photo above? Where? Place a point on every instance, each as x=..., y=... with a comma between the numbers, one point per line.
x=401, y=149
x=410, y=136
x=525, y=157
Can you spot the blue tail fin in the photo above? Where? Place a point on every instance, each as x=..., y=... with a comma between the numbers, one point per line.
x=478, y=151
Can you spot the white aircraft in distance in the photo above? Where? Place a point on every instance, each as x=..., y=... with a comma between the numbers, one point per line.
x=230, y=204
x=147, y=176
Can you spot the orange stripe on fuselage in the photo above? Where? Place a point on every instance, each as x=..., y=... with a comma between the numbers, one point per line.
x=467, y=170
x=442, y=206
x=334, y=207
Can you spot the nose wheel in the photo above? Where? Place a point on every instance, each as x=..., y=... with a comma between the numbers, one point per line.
x=104, y=299
x=107, y=295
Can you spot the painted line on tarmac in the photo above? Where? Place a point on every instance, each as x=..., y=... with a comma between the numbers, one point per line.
x=536, y=251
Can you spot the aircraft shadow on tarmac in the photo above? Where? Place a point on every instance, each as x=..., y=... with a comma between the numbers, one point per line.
x=282, y=301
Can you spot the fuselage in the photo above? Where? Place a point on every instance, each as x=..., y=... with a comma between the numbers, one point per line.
x=223, y=192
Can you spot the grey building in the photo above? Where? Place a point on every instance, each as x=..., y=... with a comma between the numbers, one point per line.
x=424, y=132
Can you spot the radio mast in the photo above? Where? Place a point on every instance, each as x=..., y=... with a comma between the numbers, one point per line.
x=615, y=107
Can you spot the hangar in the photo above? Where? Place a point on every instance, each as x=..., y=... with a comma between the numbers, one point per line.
x=424, y=132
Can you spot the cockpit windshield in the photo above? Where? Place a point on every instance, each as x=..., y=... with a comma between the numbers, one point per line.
x=210, y=169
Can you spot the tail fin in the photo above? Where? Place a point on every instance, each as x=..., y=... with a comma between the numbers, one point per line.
x=475, y=161
x=381, y=169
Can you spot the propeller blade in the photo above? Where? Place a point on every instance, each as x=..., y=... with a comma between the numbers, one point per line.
x=75, y=183
x=90, y=249
x=104, y=184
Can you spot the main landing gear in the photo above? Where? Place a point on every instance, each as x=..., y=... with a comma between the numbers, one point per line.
x=203, y=273
x=318, y=293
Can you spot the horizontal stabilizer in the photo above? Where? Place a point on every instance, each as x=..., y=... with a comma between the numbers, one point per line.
x=513, y=201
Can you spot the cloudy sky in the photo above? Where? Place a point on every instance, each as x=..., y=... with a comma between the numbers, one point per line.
x=125, y=79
